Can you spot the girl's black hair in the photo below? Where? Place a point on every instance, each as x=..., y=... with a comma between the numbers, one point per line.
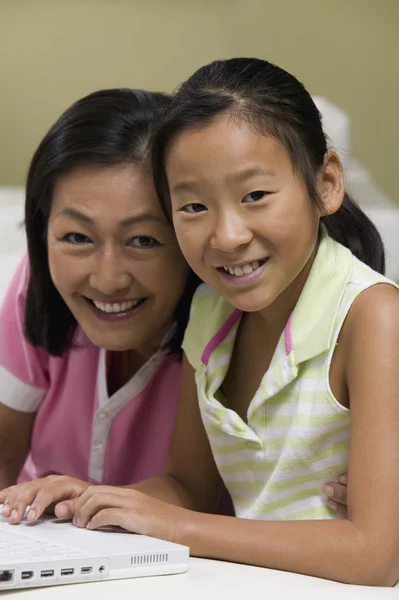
x=104, y=128
x=275, y=103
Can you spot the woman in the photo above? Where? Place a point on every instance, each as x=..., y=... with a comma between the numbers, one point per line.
x=91, y=326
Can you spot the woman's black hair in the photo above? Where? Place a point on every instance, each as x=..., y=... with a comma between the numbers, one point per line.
x=275, y=103
x=104, y=128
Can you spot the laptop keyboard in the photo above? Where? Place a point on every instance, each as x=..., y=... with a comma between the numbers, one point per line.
x=15, y=548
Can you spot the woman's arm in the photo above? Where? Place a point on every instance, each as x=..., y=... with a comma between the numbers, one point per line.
x=15, y=433
x=361, y=550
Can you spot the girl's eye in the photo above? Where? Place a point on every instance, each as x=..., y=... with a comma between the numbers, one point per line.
x=192, y=208
x=76, y=238
x=143, y=242
x=255, y=196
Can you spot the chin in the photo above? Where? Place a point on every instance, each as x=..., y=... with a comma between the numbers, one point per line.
x=113, y=345
x=249, y=304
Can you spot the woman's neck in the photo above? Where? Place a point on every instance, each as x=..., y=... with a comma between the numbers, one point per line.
x=122, y=366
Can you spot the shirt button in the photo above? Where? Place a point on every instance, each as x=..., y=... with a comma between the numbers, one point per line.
x=102, y=415
x=99, y=446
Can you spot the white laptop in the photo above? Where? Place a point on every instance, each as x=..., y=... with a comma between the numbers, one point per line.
x=54, y=552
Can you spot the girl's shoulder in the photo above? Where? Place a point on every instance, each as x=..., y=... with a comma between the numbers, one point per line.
x=209, y=312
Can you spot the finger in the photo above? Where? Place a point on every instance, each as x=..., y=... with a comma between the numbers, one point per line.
x=118, y=517
x=343, y=479
x=53, y=493
x=98, y=502
x=91, y=491
x=4, y=493
x=65, y=509
x=6, y=511
x=44, y=499
x=339, y=509
x=19, y=498
x=337, y=492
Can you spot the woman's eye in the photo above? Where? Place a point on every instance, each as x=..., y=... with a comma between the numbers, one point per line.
x=255, y=196
x=76, y=239
x=192, y=208
x=143, y=242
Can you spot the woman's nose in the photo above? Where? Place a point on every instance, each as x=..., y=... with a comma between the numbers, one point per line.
x=110, y=275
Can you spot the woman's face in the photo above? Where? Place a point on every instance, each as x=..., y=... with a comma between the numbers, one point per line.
x=113, y=257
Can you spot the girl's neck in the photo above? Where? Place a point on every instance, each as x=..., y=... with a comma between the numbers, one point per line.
x=275, y=317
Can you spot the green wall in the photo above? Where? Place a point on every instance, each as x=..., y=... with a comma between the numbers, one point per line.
x=54, y=51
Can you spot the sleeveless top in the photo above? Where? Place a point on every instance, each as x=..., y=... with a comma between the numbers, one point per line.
x=296, y=437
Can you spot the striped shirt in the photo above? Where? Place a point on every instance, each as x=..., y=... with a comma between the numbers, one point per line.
x=296, y=437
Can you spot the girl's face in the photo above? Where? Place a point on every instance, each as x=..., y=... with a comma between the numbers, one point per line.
x=242, y=216
x=113, y=257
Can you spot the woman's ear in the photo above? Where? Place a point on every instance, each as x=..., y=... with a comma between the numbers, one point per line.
x=331, y=184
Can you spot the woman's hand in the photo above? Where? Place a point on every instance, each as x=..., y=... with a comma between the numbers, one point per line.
x=337, y=495
x=40, y=495
x=101, y=506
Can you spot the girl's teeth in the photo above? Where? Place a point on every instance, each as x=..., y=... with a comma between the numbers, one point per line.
x=243, y=270
x=115, y=307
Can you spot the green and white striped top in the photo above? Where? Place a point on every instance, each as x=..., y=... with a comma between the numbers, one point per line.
x=297, y=435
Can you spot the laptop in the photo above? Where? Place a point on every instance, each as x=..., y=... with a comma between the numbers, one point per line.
x=54, y=552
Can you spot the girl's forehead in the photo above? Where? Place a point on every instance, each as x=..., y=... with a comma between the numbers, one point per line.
x=225, y=144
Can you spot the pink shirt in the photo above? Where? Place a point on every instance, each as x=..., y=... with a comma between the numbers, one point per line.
x=79, y=430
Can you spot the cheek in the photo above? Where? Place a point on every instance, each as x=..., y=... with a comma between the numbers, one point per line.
x=165, y=277
x=65, y=271
x=190, y=240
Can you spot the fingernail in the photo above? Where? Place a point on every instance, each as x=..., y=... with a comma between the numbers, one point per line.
x=61, y=510
x=329, y=491
x=31, y=514
x=343, y=479
x=6, y=509
x=331, y=504
x=88, y=526
x=14, y=514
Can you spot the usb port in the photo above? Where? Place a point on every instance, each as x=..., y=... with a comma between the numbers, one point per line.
x=48, y=573
x=67, y=571
x=26, y=575
x=86, y=570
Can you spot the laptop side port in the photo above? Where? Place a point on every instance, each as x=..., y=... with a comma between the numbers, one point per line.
x=47, y=573
x=67, y=571
x=26, y=575
x=6, y=576
x=86, y=570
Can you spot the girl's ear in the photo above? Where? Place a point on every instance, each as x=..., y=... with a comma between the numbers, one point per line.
x=331, y=184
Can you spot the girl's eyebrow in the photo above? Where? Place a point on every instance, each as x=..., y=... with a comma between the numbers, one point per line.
x=238, y=176
x=252, y=172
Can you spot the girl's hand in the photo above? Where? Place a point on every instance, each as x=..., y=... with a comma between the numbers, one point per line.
x=40, y=495
x=101, y=506
x=337, y=495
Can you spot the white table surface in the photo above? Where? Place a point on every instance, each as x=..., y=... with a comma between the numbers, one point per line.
x=206, y=580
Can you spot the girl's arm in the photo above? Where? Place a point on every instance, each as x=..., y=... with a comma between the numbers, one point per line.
x=365, y=548
x=361, y=550
x=191, y=479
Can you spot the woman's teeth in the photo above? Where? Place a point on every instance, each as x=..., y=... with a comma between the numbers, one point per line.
x=243, y=269
x=115, y=307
